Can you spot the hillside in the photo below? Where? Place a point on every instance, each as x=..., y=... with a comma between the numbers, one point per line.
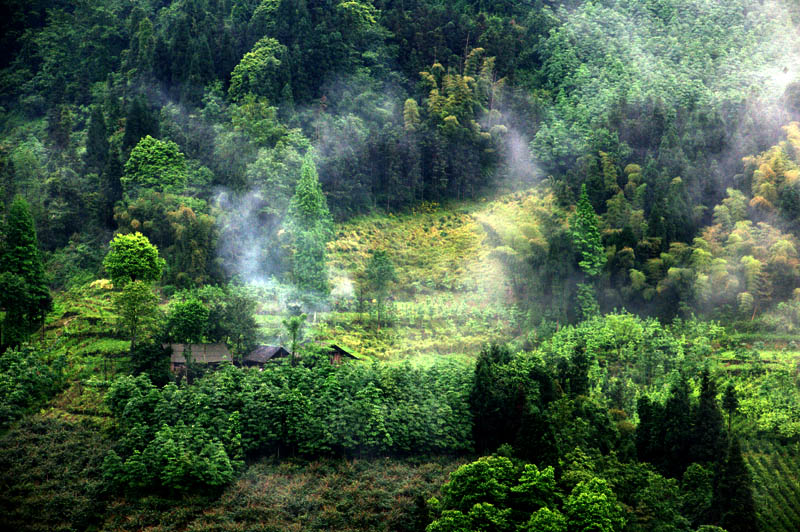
x=374, y=265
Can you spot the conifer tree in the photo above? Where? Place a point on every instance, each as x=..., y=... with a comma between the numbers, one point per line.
x=96, y=142
x=139, y=122
x=708, y=442
x=23, y=286
x=677, y=429
x=380, y=272
x=311, y=227
x=730, y=403
x=586, y=236
x=733, y=496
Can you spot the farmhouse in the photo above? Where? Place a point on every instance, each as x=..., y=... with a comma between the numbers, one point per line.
x=263, y=354
x=205, y=354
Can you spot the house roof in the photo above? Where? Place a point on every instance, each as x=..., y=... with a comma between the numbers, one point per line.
x=263, y=353
x=200, y=353
x=334, y=349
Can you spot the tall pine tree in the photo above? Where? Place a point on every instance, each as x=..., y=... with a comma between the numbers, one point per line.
x=708, y=441
x=586, y=236
x=311, y=227
x=733, y=496
x=23, y=288
x=96, y=142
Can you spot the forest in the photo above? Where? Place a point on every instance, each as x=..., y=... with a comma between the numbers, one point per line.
x=410, y=266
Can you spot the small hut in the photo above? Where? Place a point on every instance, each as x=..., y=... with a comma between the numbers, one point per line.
x=211, y=355
x=339, y=354
x=265, y=353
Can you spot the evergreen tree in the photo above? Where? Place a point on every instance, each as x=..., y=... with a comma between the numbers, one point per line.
x=730, y=403
x=648, y=433
x=677, y=429
x=139, y=122
x=294, y=327
x=495, y=420
x=379, y=273
x=733, y=496
x=23, y=287
x=708, y=441
x=586, y=236
x=311, y=228
x=96, y=142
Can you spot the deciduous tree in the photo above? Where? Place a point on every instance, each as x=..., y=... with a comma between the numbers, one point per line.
x=132, y=258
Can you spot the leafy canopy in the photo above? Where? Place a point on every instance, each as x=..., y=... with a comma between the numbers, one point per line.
x=132, y=258
x=155, y=164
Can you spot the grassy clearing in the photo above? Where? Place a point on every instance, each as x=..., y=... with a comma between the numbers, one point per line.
x=452, y=296
x=81, y=328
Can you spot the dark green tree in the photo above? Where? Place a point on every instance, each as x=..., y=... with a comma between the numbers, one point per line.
x=139, y=122
x=96, y=142
x=730, y=403
x=491, y=400
x=708, y=440
x=586, y=237
x=380, y=273
x=677, y=430
x=733, y=496
x=23, y=286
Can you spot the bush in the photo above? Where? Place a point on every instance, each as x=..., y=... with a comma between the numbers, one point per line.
x=26, y=381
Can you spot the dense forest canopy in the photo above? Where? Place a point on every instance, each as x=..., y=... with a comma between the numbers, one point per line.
x=541, y=259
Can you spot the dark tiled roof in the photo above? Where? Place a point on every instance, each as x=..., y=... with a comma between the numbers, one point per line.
x=201, y=353
x=264, y=353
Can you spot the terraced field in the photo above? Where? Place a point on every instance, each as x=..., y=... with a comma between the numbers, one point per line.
x=776, y=481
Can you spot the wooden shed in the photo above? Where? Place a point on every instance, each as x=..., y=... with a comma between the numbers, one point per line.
x=338, y=354
x=265, y=353
x=205, y=354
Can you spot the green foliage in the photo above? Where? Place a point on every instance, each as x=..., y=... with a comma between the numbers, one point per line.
x=229, y=312
x=379, y=272
x=262, y=71
x=733, y=498
x=137, y=307
x=586, y=236
x=132, y=258
x=493, y=493
x=183, y=231
x=294, y=328
x=57, y=460
x=327, y=409
x=592, y=506
x=407, y=103
x=23, y=286
x=310, y=225
x=27, y=379
x=187, y=321
x=155, y=164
